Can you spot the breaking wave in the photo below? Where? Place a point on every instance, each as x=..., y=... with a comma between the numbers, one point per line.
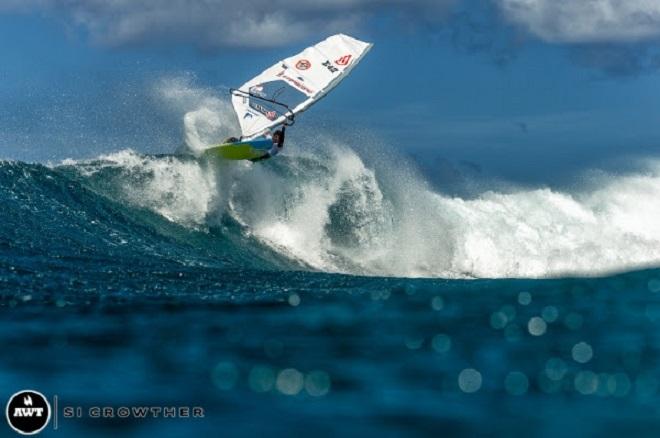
x=322, y=205
x=328, y=210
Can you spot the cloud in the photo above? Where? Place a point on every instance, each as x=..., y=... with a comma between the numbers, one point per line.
x=476, y=27
x=213, y=24
x=618, y=60
x=586, y=21
x=618, y=37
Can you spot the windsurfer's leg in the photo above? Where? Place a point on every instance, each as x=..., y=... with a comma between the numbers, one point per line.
x=263, y=157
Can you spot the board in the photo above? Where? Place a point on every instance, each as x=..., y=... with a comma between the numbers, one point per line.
x=244, y=150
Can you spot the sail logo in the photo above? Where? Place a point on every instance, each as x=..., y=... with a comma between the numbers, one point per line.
x=344, y=60
x=303, y=64
x=296, y=83
x=28, y=412
x=330, y=67
x=270, y=115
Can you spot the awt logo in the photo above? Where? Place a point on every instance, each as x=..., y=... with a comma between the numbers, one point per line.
x=28, y=412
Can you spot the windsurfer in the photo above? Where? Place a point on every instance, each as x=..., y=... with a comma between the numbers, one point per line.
x=277, y=138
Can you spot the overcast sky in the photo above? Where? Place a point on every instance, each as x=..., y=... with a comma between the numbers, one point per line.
x=554, y=84
x=255, y=23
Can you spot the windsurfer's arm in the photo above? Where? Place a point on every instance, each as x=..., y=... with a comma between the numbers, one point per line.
x=277, y=147
x=281, y=142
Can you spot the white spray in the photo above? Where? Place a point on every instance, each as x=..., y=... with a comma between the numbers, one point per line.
x=323, y=205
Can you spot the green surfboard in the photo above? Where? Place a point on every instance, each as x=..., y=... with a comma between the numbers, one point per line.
x=244, y=150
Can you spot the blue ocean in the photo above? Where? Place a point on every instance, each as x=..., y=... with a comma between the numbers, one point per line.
x=329, y=292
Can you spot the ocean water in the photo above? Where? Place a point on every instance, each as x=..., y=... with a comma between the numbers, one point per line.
x=328, y=292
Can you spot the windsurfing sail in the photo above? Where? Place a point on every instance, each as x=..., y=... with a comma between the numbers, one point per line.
x=294, y=84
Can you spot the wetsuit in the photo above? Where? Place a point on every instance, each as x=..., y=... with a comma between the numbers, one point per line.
x=275, y=149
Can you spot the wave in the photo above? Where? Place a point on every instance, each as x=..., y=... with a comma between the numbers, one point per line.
x=107, y=216
x=328, y=206
x=329, y=211
x=337, y=214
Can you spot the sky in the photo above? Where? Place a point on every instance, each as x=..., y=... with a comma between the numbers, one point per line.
x=529, y=91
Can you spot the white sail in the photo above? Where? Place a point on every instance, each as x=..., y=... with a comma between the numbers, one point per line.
x=297, y=82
